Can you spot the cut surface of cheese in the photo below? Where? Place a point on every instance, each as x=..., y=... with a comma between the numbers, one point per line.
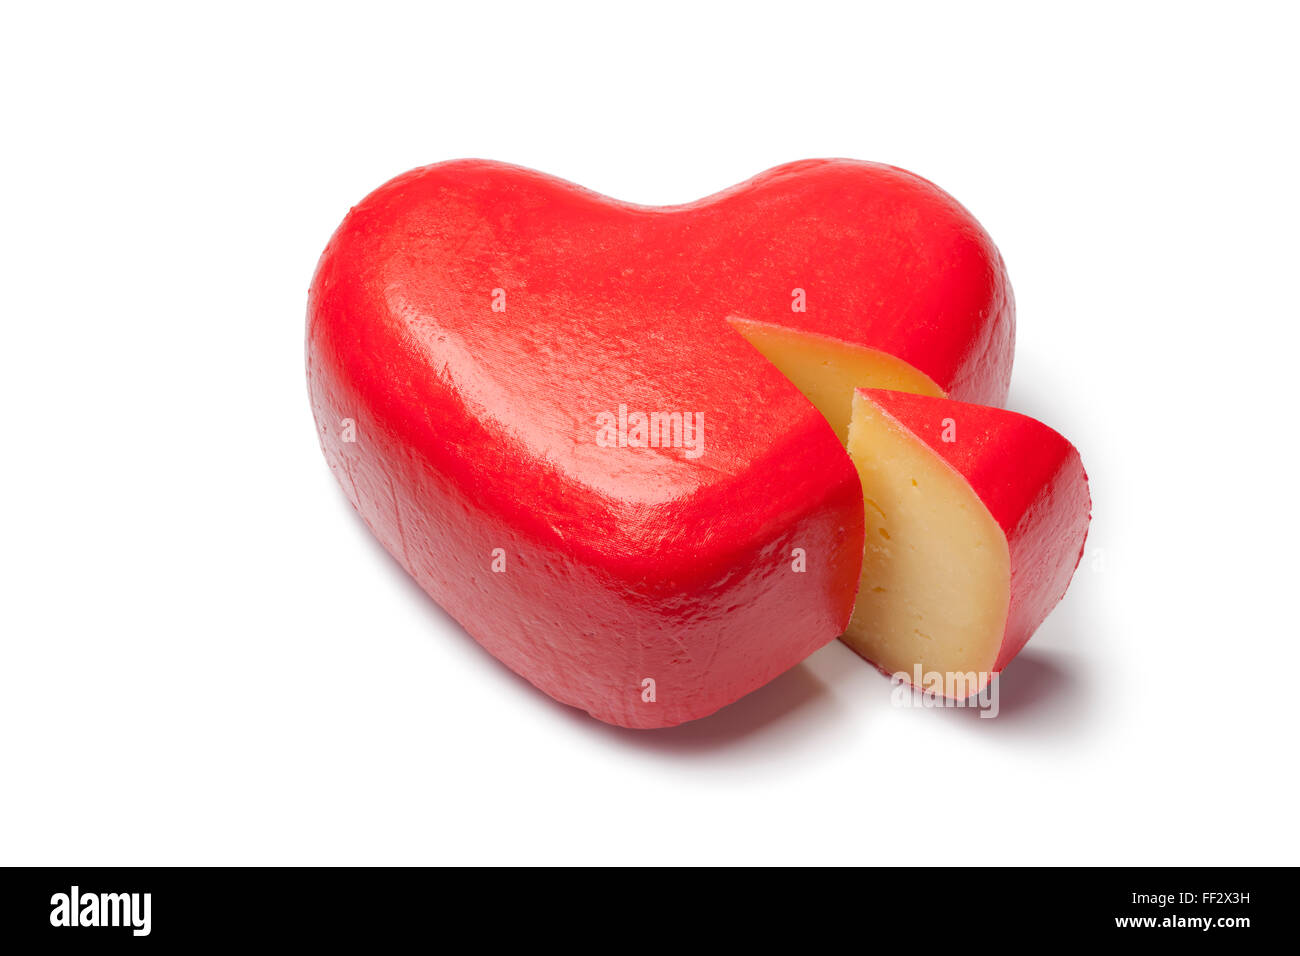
x=828, y=370
x=936, y=570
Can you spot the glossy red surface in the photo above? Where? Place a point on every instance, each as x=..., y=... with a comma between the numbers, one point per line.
x=476, y=428
x=1032, y=481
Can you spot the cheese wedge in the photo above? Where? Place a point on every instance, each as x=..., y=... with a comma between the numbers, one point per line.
x=948, y=590
x=975, y=522
x=935, y=584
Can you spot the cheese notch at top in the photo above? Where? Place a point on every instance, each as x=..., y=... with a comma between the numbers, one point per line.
x=827, y=370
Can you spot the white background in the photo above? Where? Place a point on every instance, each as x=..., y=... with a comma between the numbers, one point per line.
x=206, y=659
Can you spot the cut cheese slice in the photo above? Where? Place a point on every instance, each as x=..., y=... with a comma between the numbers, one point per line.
x=827, y=370
x=976, y=519
x=935, y=584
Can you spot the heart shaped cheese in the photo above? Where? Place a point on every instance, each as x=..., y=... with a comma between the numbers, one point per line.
x=546, y=405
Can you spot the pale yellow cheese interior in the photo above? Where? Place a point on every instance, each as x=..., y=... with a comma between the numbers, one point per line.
x=935, y=581
x=827, y=370
x=936, y=572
